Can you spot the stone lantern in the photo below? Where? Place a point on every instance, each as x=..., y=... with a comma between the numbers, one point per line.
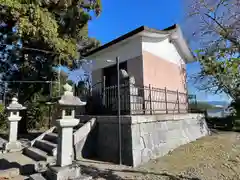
x=14, y=108
x=65, y=124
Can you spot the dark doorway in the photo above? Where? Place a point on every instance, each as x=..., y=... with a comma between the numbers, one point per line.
x=111, y=73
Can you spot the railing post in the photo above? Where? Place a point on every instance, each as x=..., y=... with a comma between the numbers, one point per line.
x=104, y=90
x=150, y=98
x=178, y=101
x=142, y=93
x=166, y=101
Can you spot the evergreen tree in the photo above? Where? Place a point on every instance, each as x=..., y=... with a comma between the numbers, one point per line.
x=38, y=35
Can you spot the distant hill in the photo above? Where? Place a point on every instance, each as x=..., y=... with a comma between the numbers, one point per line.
x=221, y=103
x=202, y=106
x=205, y=105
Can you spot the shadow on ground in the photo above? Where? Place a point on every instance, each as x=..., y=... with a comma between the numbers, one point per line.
x=24, y=170
x=110, y=174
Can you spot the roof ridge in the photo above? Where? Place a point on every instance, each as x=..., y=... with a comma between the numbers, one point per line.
x=130, y=34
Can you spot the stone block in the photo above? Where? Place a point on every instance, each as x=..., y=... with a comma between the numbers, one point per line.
x=137, y=157
x=146, y=155
x=149, y=141
x=12, y=146
x=63, y=173
x=37, y=176
x=163, y=126
x=161, y=137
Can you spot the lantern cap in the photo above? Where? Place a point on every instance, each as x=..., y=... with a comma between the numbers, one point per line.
x=68, y=99
x=14, y=105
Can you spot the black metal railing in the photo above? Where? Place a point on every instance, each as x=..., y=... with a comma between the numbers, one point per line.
x=137, y=100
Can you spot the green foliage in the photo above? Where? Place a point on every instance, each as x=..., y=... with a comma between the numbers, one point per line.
x=235, y=108
x=49, y=33
x=35, y=114
x=81, y=88
x=1, y=108
x=219, y=73
x=3, y=118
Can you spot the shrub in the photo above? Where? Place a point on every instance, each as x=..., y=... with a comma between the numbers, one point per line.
x=3, y=117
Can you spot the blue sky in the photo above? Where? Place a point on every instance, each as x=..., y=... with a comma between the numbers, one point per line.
x=121, y=16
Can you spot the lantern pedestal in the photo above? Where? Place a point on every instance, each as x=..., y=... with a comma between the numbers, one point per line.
x=64, y=168
x=13, y=145
x=65, y=142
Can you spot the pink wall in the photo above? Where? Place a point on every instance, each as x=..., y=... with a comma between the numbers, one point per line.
x=161, y=73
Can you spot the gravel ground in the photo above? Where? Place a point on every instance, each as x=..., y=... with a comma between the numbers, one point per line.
x=216, y=157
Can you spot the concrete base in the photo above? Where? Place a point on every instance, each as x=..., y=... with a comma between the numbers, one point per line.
x=12, y=146
x=63, y=173
x=146, y=137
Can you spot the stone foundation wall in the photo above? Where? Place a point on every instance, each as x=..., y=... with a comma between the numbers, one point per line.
x=146, y=137
x=108, y=143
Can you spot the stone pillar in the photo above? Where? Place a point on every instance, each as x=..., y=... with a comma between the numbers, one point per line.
x=65, y=143
x=13, y=145
x=64, y=169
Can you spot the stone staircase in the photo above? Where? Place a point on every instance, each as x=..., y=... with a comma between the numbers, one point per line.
x=32, y=162
x=43, y=149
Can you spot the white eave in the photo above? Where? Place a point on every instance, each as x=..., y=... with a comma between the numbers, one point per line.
x=182, y=45
x=175, y=36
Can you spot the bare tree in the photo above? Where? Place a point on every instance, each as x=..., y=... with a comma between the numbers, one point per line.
x=214, y=30
x=213, y=22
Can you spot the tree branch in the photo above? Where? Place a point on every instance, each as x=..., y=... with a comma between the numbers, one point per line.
x=233, y=40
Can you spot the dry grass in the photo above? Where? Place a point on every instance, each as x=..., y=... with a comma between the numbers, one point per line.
x=215, y=157
x=212, y=157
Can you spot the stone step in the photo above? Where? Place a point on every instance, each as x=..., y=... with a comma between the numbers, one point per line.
x=20, y=177
x=52, y=137
x=46, y=146
x=38, y=155
x=37, y=176
x=82, y=177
